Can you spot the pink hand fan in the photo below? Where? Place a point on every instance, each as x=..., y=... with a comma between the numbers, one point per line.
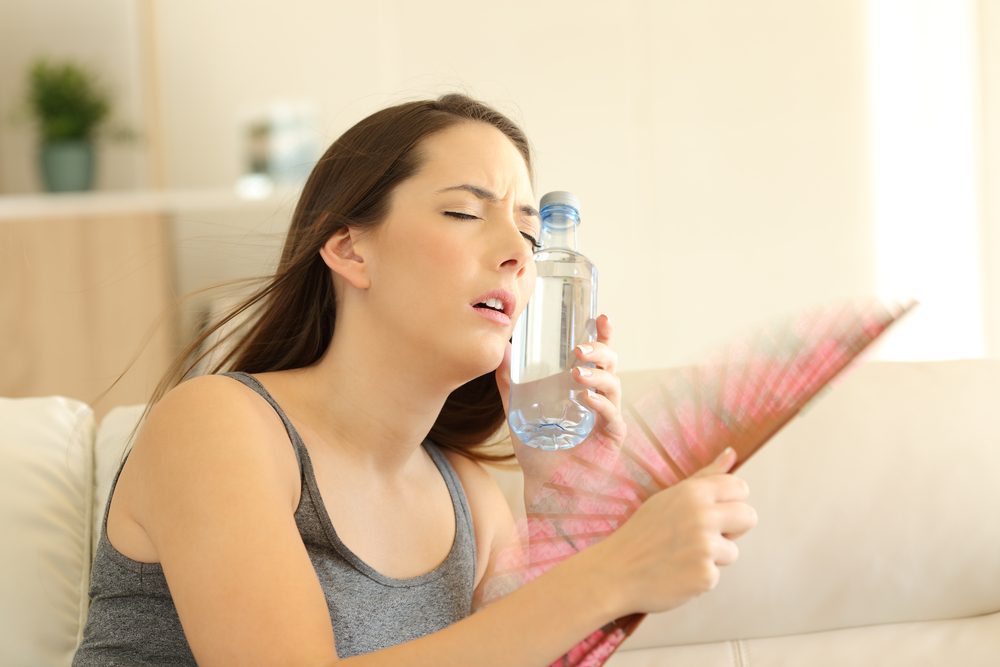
x=678, y=424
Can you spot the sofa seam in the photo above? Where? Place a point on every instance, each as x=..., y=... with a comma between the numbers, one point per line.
x=740, y=658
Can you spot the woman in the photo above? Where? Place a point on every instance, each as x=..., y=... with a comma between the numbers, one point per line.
x=369, y=354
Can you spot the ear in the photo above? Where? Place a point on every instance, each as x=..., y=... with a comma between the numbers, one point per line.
x=341, y=254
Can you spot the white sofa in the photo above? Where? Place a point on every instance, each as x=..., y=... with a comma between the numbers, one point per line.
x=878, y=541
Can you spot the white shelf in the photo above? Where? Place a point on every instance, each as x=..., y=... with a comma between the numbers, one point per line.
x=20, y=207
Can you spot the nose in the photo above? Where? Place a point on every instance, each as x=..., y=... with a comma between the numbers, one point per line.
x=516, y=251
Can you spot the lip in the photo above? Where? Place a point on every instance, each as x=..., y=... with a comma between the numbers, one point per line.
x=499, y=318
x=507, y=298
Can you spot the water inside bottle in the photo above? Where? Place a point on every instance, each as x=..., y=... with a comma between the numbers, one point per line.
x=565, y=421
x=548, y=409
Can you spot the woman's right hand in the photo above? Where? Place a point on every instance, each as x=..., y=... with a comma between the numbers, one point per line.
x=671, y=548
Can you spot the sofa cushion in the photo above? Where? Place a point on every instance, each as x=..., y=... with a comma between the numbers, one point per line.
x=46, y=496
x=969, y=642
x=109, y=451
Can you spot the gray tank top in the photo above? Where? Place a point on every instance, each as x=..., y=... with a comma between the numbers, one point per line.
x=133, y=621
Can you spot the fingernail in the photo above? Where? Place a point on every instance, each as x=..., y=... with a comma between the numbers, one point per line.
x=585, y=372
x=586, y=349
x=726, y=453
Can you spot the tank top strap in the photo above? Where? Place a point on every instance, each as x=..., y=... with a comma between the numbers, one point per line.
x=455, y=488
x=253, y=383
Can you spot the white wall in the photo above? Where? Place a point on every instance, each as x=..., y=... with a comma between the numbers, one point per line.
x=926, y=138
x=721, y=148
x=989, y=41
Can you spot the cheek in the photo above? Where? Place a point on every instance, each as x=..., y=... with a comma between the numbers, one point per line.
x=421, y=250
x=527, y=281
x=437, y=269
x=442, y=261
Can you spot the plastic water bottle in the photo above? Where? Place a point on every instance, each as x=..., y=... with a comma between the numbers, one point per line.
x=547, y=405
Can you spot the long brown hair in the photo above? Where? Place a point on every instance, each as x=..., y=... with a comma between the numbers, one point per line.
x=294, y=313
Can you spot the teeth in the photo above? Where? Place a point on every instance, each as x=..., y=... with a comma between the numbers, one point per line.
x=493, y=302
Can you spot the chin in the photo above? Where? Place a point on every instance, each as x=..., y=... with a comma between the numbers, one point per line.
x=488, y=357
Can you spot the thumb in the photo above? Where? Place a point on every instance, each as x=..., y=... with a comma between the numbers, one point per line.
x=503, y=378
x=722, y=463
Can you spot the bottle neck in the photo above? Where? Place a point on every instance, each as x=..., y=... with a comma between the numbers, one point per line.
x=559, y=224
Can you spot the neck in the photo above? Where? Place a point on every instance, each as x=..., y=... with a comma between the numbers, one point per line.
x=374, y=397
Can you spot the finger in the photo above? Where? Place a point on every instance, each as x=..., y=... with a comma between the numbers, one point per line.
x=602, y=381
x=736, y=519
x=728, y=488
x=614, y=425
x=724, y=551
x=599, y=353
x=723, y=462
x=604, y=329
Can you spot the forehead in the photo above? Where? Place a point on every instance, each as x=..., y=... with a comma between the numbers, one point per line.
x=476, y=152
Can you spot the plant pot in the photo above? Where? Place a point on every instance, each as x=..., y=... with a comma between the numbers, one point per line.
x=67, y=166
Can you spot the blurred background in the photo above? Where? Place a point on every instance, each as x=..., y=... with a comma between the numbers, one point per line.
x=737, y=160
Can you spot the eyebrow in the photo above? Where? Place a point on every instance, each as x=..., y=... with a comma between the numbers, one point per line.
x=482, y=193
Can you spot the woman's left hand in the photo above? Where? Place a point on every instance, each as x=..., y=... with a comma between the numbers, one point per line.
x=605, y=397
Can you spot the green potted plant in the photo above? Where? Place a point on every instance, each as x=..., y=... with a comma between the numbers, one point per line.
x=68, y=106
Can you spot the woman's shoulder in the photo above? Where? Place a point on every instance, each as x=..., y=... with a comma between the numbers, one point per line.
x=215, y=422
x=204, y=386
x=208, y=401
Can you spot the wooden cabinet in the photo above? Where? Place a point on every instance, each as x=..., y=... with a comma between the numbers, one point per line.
x=84, y=293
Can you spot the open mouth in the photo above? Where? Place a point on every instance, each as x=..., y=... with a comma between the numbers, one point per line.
x=497, y=301
x=489, y=307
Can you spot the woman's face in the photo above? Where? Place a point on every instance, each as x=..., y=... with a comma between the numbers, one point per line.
x=455, y=231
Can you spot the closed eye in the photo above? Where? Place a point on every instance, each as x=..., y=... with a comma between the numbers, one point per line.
x=466, y=216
